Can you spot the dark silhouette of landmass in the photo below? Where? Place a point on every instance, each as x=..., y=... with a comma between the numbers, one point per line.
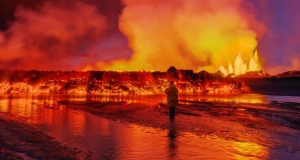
x=287, y=83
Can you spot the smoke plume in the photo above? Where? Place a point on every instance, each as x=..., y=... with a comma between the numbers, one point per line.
x=193, y=34
x=54, y=36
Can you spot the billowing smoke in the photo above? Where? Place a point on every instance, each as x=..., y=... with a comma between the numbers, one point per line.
x=57, y=35
x=188, y=34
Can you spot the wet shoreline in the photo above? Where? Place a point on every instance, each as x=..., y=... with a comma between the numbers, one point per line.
x=272, y=127
x=231, y=121
x=20, y=140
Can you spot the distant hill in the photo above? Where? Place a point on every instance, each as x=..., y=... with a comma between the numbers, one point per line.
x=289, y=74
x=287, y=83
x=255, y=74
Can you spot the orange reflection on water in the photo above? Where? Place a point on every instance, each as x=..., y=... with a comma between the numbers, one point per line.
x=131, y=141
x=22, y=106
x=4, y=105
x=184, y=145
x=249, y=150
x=137, y=142
x=243, y=98
x=77, y=124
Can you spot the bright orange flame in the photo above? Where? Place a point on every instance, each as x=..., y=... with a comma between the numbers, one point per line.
x=194, y=35
x=240, y=67
x=213, y=87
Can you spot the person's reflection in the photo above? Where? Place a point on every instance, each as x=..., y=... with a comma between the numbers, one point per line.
x=9, y=104
x=172, y=135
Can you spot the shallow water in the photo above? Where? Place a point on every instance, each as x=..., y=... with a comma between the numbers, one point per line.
x=108, y=139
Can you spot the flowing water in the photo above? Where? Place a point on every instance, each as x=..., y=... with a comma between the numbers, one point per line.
x=108, y=139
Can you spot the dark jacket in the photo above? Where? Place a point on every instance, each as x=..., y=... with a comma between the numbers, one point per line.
x=172, y=96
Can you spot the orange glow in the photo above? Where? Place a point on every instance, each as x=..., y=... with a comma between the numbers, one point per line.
x=49, y=38
x=77, y=125
x=240, y=67
x=198, y=35
x=253, y=150
x=116, y=83
x=212, y=88
x=295, y=63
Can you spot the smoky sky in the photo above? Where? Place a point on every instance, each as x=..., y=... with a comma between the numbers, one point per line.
x=110, y=9
x=60, y=35
x=70, y=34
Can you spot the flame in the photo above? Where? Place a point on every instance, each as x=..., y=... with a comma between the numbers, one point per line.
x=193, y=35
x=240, y=67
x=210, y=88
x=113, y=83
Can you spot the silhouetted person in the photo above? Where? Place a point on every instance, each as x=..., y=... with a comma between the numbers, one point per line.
x=172, y=98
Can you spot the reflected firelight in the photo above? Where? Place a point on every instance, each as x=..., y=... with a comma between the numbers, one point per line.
x=82, y=130
x=253, y=150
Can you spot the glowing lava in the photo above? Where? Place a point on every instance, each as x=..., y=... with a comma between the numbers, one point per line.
x=240, y=67
x=115, y=83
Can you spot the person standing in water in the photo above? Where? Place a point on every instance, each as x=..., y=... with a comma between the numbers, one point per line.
x=172, y=98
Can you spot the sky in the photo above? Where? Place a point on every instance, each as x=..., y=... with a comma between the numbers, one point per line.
x=129, y=35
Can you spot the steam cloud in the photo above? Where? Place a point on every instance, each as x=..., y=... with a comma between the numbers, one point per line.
x=193, y=34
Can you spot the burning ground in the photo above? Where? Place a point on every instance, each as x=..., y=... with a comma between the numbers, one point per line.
x=146, y=83
x=115, y=83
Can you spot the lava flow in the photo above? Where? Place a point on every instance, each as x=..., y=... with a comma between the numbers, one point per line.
x=117, y=83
